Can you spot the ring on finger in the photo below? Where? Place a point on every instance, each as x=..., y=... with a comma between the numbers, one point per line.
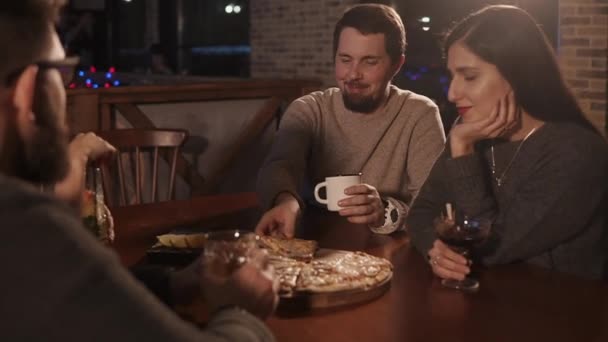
x=435, y=260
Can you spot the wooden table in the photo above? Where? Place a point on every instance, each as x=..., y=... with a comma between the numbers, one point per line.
x=515, y=302
x=138, y=225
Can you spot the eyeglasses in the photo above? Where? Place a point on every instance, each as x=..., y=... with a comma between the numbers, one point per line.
x=66, y=68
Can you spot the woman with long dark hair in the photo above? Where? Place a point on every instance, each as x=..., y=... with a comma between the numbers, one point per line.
x=521, y=155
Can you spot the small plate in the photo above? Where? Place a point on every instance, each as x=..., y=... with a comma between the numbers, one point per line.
x=171, y=256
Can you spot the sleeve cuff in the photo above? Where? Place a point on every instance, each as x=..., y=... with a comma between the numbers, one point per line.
x=394, y=218
x=294, y=194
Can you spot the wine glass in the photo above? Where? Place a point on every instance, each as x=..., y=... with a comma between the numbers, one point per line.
x=227, y=250
x=461, y=237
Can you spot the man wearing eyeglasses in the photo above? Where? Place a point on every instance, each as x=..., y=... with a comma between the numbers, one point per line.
x=58, y=283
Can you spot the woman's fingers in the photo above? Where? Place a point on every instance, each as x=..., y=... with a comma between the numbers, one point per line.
x=511, y=108
x=445, y=273
x=503, y=118
x=441, y=249
x=446, y=263
x=512, y=112
x=499, y=124
x=498, y=131
x=488, y=125
x=451, y=265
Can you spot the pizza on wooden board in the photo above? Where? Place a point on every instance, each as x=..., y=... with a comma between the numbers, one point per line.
x=343, y=270
x=328, y=271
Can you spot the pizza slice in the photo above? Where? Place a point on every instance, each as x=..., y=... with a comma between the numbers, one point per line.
x=303, y=250
x=196, y=240
x=287, y=271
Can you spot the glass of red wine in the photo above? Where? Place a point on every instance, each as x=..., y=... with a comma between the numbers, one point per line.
x=461, y=236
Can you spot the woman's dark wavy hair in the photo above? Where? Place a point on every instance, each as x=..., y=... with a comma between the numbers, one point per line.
x=509, y=38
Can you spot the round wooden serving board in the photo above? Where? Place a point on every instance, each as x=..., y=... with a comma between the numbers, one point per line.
x=300, y=301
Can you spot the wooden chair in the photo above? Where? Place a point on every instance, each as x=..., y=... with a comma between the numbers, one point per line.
x=133, y=145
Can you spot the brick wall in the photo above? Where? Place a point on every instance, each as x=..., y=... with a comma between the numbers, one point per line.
x=583, y=53
x=293, y=39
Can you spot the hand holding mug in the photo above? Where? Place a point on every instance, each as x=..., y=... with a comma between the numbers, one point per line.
x=360, y=203
x=335, y=190
x=364, y=205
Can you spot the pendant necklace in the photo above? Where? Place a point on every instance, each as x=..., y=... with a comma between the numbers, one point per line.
x=501, y=179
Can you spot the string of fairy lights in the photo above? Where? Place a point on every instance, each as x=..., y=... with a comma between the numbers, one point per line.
x=94, y=78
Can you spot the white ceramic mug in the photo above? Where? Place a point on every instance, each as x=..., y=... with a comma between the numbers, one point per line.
x=335, y=189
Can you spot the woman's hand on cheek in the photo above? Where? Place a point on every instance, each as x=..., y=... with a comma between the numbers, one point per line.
x=513, y=114
x=502, y=118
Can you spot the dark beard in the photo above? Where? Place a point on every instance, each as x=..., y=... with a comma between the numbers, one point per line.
x=360, y=104
x=44, y=160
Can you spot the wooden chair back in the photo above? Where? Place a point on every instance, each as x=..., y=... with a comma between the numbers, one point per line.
x=132, y=144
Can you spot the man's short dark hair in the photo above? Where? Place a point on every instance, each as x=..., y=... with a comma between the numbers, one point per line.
x=372, y=19
x=24, y=31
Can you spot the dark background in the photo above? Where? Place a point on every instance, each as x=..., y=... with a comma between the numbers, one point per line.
x=207, y=32
x=197, y=37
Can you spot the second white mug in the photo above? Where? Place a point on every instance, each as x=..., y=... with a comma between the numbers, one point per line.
x=335, y=189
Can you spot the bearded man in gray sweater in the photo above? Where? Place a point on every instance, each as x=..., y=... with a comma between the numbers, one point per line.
x=365, y=125
x=58, y=282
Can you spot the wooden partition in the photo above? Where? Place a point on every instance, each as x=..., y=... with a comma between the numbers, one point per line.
x=96, y=109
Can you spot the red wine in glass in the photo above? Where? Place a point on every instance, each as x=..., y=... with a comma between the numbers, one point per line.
x=461, y=237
